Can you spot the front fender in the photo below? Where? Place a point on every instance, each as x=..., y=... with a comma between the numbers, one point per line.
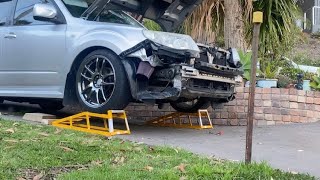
x=110, y=40
x=117, y=40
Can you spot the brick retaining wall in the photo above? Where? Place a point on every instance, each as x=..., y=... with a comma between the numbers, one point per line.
x=272, y=107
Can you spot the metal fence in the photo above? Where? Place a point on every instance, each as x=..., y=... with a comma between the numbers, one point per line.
x=316, y=17
x=313, y=14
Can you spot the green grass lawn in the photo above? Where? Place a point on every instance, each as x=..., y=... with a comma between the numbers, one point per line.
x=40, y=152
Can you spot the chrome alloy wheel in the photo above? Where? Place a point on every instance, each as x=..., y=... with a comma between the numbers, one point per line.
x=97, y=82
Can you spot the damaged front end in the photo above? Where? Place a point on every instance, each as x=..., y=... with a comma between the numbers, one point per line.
x=169, y=67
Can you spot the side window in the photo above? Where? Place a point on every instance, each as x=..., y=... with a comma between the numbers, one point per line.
x=24, y=13
x=5, y=8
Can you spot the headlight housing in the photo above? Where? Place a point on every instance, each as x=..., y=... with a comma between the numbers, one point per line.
x=172, y=40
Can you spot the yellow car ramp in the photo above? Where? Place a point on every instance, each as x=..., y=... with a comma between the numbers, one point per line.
x=184, y=120
x=83, y=122
x=103, y=124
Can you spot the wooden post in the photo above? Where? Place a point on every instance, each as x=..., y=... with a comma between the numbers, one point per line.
x=257, y=20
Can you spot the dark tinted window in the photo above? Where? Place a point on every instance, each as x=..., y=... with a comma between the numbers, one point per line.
x=24, y=12
x=101, y=14
x=5, y=8
x=118, y=17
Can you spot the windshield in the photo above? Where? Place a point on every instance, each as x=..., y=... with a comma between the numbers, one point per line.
x=78, y=7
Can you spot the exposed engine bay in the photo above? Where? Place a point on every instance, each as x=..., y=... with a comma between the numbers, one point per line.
x=169, y=75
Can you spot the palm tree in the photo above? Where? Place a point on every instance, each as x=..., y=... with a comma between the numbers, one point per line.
x=236, y=13
x=231, y=19
x=220, y=18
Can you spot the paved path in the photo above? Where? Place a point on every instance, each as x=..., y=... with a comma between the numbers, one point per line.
x=289, y=147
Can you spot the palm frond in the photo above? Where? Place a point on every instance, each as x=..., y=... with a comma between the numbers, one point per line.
x=205, y=23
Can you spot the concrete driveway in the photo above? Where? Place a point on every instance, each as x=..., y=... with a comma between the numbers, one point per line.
x=288, y=147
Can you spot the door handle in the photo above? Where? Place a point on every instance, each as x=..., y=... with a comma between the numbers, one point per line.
x=10, y=36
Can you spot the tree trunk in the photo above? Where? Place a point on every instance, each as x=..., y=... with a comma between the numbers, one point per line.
x=234, y=25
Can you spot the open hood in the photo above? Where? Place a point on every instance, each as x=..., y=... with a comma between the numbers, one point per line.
x=169, y=14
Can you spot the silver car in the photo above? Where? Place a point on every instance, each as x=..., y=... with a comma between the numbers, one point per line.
x=92, y=53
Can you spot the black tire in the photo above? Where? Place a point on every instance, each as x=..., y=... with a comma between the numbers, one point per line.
x=120, y=95
x=51, y=106
x=201, y=103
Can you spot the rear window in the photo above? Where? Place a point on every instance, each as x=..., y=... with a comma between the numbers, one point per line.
x=5, y=9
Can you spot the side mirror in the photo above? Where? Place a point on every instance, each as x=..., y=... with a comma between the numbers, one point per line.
x=44, y=12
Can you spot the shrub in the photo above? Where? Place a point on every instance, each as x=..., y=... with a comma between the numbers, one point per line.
x=315, y=84
x=269, y=69
x=283, y=81
x=292, y=73
x=245, y=59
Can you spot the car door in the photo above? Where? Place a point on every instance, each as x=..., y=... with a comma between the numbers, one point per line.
x=33, y=52
x=6, y=6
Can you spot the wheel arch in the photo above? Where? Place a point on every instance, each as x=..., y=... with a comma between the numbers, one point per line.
x=70, y=97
